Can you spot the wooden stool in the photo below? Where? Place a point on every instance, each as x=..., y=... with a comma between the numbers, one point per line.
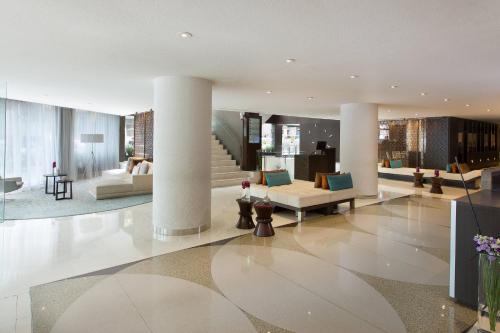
x=245, y=221
x=419, y=179
x=436, y=185
x=264, y=227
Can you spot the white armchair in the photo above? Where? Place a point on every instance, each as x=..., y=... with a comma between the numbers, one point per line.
x=10, y=184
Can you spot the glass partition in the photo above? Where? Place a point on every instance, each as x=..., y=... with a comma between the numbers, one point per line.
x=3, y=109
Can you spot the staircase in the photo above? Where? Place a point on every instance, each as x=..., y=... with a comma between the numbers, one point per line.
x=225, y=172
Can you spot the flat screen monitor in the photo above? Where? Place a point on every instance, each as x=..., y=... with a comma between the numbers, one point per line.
x=321, y=145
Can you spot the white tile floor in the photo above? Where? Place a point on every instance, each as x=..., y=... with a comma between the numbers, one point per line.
x=34, y=252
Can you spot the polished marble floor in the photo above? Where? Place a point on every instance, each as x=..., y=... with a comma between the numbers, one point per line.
x=345, y=251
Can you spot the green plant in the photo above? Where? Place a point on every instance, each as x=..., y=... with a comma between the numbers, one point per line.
x=490, y=287
x=129, y=151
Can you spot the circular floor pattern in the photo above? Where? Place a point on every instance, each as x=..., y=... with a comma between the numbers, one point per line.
x=299, y=292
x=151, y=303
x=373, y=255
x=415, y=232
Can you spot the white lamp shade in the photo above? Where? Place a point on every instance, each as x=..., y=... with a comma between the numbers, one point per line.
x=92, y=138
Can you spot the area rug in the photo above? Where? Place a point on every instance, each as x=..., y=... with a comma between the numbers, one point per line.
x=34, y=203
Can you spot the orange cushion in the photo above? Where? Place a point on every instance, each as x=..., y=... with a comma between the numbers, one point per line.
x=387, y=164
x=318, y=179
x=454, y=168
x=324, y=182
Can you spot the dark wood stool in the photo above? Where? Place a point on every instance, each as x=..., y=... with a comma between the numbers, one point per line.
x=61, y=195
x=264, y=227
x=436, y=185
x=245, y=221
x=419, y=179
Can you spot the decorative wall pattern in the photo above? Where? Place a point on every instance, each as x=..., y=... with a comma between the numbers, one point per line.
x=143, y=134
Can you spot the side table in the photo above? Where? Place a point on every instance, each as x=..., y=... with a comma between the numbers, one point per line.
x=61, y=195
x=245, y=221
x=54, y=179
x=419, y=179
x=264, y=227
x=436, y=185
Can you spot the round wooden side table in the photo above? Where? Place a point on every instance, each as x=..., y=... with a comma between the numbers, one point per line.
x=436, y=185
x=245, y=221
x=264, y=227
x=419, y=179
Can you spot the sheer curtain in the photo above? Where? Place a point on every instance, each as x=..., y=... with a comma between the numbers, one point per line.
x=106, y=153
x=31, y=141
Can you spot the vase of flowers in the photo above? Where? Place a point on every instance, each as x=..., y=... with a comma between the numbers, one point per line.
x=488, y=283
x=436, y=173
x=245, y=186
x=54, y=165
x=417, y=169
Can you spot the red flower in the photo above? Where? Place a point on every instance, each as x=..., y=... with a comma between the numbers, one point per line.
x=54, y=164
x=245, y=184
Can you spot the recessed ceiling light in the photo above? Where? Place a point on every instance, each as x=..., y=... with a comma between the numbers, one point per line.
x=446, y=99
x=388, y=110
x=467, y=105
x=423, y=94
x=488, y=110
x=394, y=86
x=290, y=60
x=269, y=92
x=416, y=114
x=186, y=34
x=352, y=76
x=310, y=98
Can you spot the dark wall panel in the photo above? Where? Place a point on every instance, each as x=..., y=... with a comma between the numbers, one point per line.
x=436, y=153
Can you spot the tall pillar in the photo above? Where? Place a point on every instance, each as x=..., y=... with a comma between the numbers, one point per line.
x=182, y=155
x=359, y=145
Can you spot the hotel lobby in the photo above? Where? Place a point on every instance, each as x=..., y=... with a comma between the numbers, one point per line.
x=232, y=166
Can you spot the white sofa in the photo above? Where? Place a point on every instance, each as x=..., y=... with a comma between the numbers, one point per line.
x=301, y=196
x=472, y=178
x=119, y=183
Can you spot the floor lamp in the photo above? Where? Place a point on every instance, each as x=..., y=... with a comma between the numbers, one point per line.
x=92, y=139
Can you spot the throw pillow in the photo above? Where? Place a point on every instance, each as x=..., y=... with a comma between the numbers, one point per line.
x=264, y=173
x=135, y=170
x=387, y=164
x=464, y=167
x=150, y=169
x=143, y=169
x=318, y=179
x=278, y=178
x=340, y=182
x=396, y=164
x=448, y=168
x=454, y=168
x=324, y=182
x=130, y=165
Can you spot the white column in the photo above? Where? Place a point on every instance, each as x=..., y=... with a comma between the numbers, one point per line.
x=359, y=145
x=182, y=155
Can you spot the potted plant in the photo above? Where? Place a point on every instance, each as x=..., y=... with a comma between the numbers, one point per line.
x=488, y=282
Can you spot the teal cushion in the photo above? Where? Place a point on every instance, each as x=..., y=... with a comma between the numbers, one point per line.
x=396, y=164
x=278, y=178
x=448, y=168
x=340, y=182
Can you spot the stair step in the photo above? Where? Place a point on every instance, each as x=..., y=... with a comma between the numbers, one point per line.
x=230, y=175
x=220, y=157
x=229, y=168
x=217, y=163
x=227, y=182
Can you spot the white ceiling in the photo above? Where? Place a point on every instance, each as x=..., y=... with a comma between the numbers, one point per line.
x=102, y=55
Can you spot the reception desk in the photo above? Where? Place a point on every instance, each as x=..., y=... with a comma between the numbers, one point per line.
x=463, y=256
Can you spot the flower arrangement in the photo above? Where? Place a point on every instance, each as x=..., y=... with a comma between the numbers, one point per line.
x=54, y=167
x=245, y=185
x=436, y=173
x=488, y=245
x=489, y=278
x=417, y=169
